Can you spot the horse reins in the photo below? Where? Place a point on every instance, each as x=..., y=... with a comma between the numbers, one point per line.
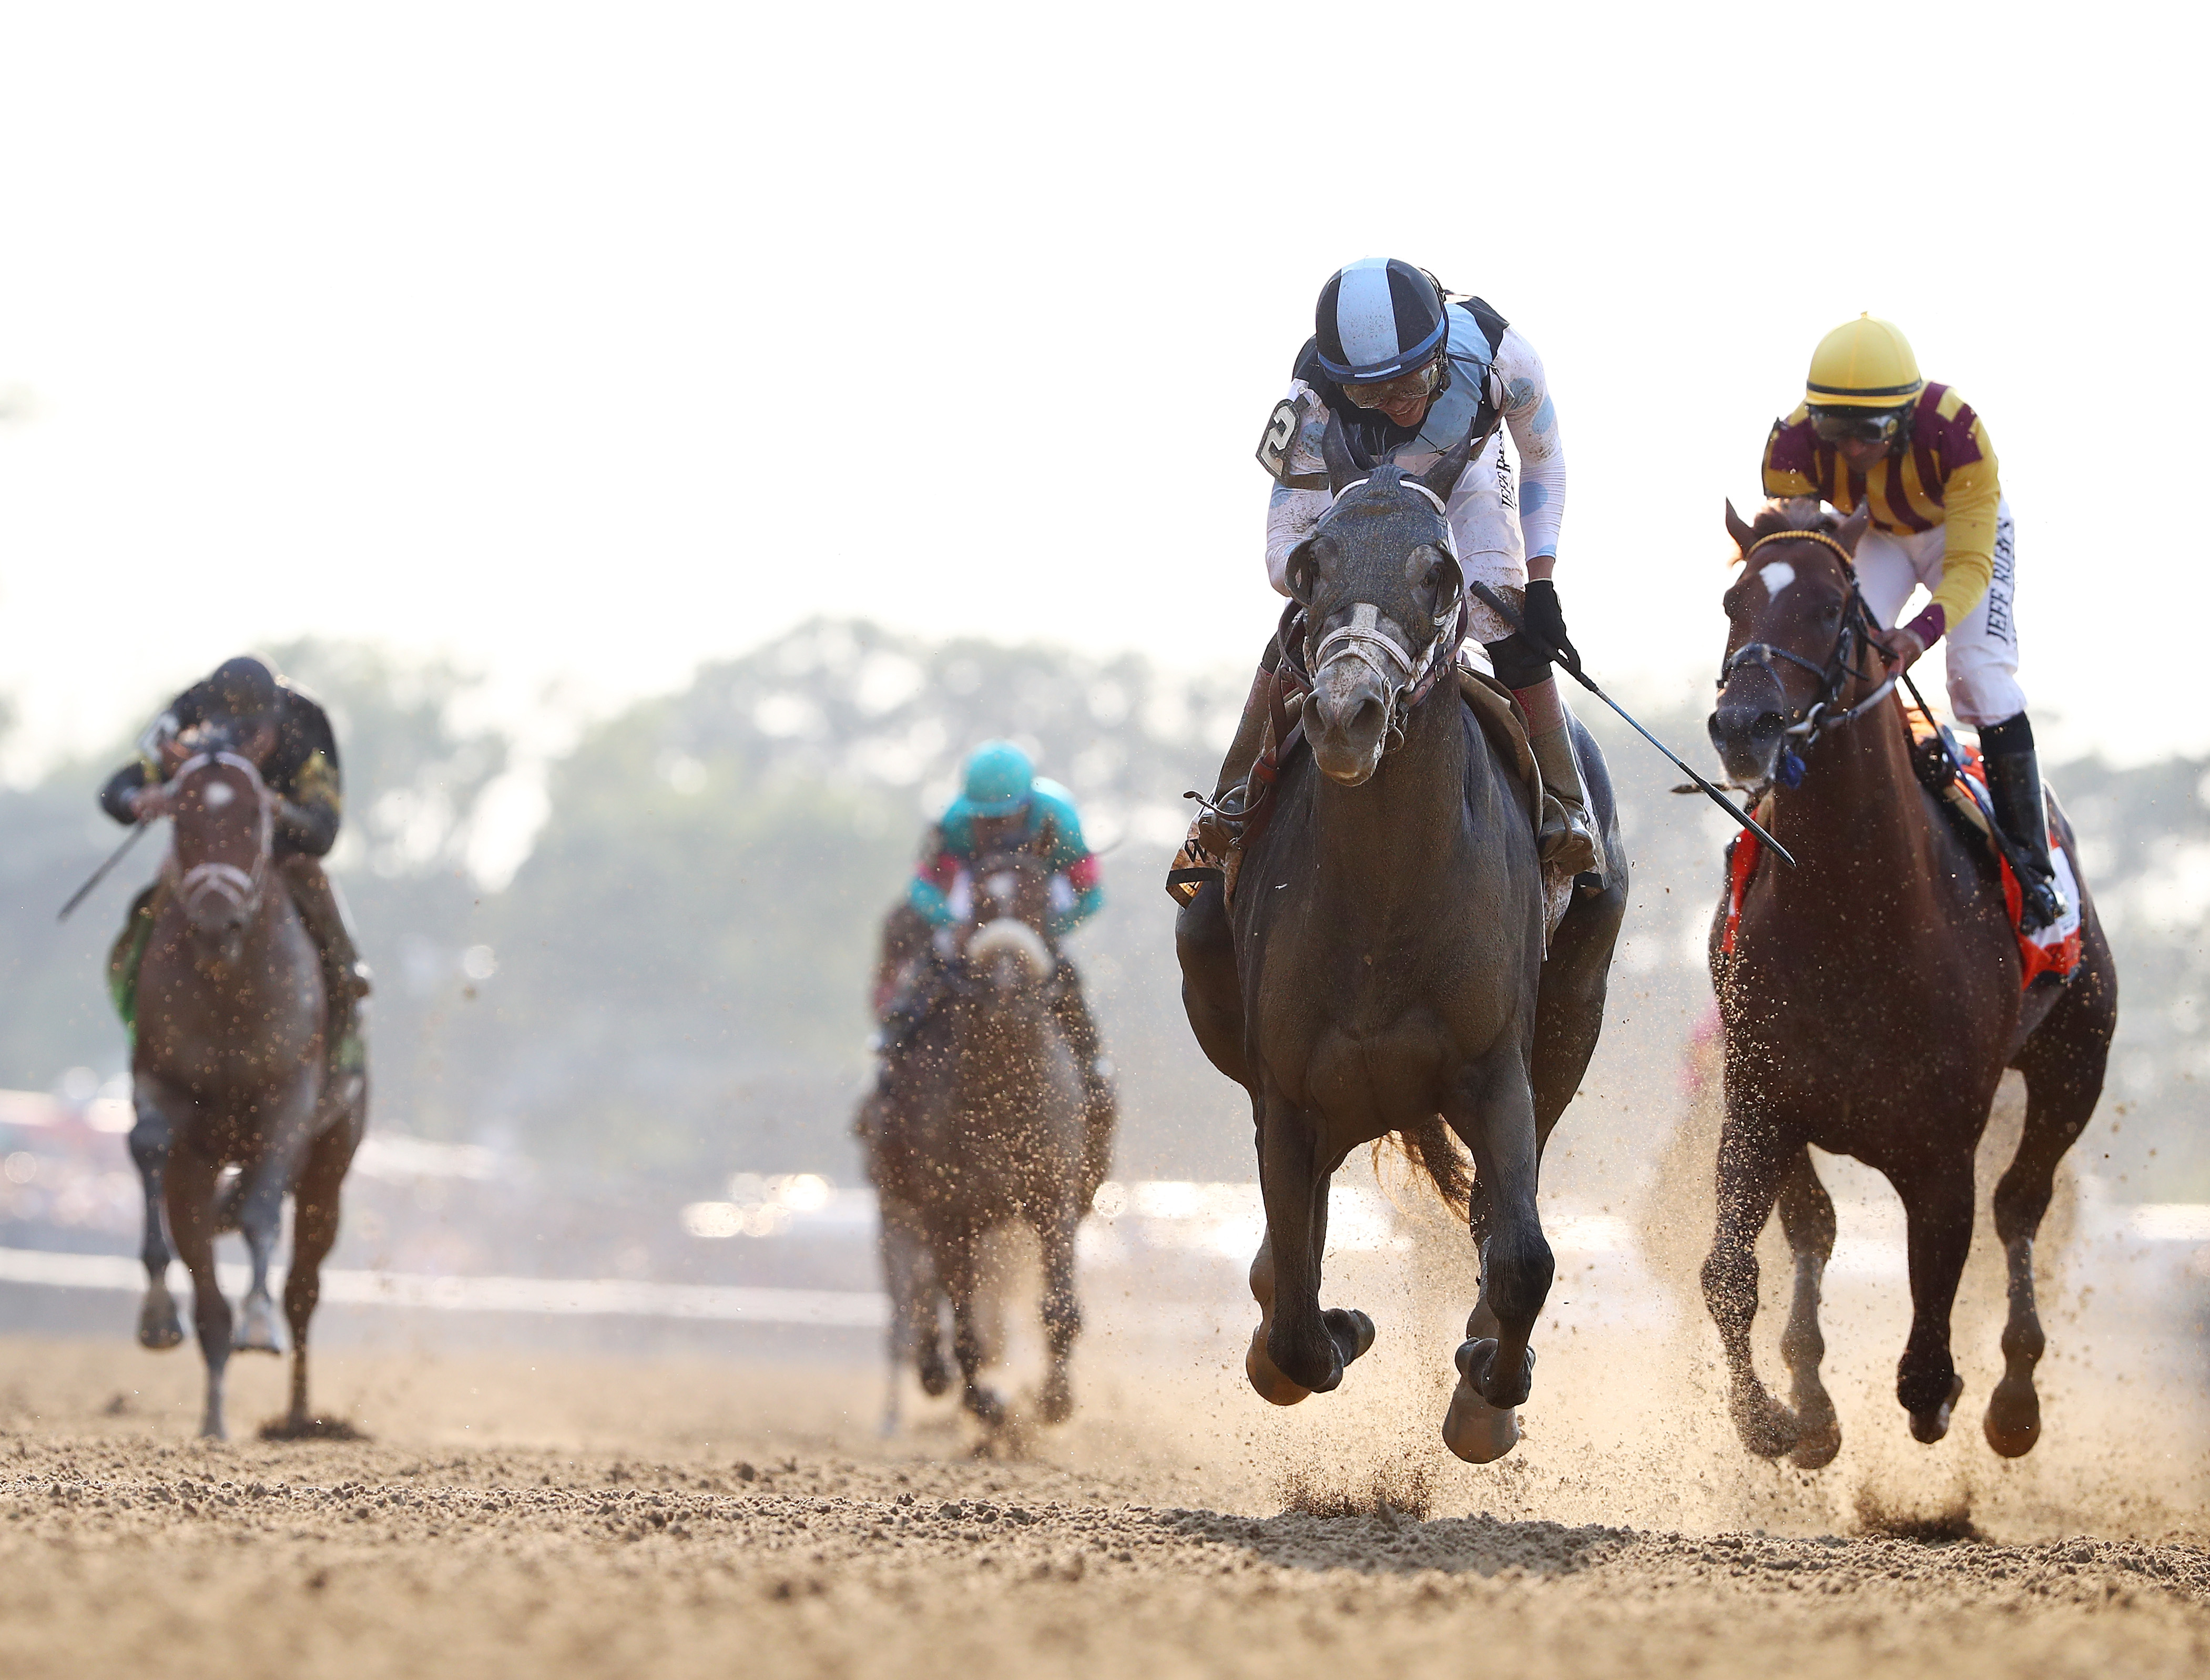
x=1812, y=721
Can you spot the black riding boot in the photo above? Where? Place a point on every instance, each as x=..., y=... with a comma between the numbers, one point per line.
x=2014, y=783
x=345, y=977
x=1101, y=1109
x=1219, y=829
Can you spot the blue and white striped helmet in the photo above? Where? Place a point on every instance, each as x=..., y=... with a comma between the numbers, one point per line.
x=1377, y=320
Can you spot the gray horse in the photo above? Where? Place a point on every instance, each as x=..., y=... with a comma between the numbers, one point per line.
x=1382, y=971
x=228, y=1071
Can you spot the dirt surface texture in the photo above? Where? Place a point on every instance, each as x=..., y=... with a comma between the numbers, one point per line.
x=523, y=1515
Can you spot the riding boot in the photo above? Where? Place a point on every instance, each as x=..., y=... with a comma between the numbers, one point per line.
x=1101, y=1110
x=128, y=955
x=346, y=979
x=1568, y=836
x=2014, y=784
x=1216, y=826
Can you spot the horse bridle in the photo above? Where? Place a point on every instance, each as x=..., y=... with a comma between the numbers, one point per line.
x=242, y=886
x=1809, y=723
x=1412, y=679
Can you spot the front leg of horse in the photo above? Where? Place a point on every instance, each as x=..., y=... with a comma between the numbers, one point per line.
x=1062, y=1316
x=189, y=1184
x=1297, y=1350
x=159, y=1326
x=1496, y=1372
x=958, y=1262
x=1752, y=1164
x=260, y=1218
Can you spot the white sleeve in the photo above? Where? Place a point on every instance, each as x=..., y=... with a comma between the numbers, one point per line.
x=1534, y=422
x=1293, y=509
x=1290, y=517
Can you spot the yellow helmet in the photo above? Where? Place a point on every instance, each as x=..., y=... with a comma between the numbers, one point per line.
x=1863, y=364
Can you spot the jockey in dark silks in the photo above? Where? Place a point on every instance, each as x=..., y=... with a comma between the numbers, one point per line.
x=1002, y=804
x=245, y=708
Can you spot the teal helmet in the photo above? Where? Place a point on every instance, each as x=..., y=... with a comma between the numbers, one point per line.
x=999, y=777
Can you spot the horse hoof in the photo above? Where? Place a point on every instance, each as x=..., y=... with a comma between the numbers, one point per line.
x=1502, y=1390
x=1768, y=1428
x=1273, y=1387
x=1476, y=1431
x=1928, y=1427
x=935, y=1377
x=1351, y=1331
x=158, y=1327
x=2013, y=1423
x=986, y=1405
x=1056, y=1403
x=1816, y=1446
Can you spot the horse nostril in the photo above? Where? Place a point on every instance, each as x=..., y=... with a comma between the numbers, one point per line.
x=1768, y=725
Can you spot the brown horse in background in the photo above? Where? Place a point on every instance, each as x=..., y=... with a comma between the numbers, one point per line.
x=1872, y=1003
x=228, y=1071
x=990, y=1137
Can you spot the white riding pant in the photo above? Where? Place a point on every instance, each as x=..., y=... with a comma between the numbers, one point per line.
x=1484, y=520
x=1983, y=650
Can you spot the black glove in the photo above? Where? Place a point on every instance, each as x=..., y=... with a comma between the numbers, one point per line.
x=1544, y=623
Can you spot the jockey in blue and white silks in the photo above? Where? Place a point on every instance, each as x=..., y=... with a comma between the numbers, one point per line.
x=1002, y=804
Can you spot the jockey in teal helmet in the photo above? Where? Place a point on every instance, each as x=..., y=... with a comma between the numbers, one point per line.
x=1003, y=803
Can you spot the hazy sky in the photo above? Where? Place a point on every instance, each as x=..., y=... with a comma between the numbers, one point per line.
x=594, y=341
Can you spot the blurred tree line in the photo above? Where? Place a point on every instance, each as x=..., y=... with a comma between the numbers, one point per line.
x=672, y=983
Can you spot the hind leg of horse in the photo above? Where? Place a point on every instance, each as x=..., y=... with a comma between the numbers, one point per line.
x=958, y=1257
x=189, y=1192
x=1752, y=1164
x=314, y=1231
x=158, y=1325
x=2062, y=1082
x=1298, y=1349
x=260, y=1221
x=1937, y=1209
x=1062, y=1316
x=1495, y=1375
x=1807, y=1215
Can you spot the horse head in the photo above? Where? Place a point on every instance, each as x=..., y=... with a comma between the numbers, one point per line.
x=225, y=827
x=1008, y=954
x=1794, y=604
x=1380, y=582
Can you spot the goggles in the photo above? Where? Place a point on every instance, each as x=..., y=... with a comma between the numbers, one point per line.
x=1860, y=425
x=1405, y=388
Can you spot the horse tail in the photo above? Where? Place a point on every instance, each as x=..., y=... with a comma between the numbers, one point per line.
x=1431, y=1149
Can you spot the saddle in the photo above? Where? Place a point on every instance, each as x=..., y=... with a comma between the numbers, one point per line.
x=1493, y=706
x=1953, y=771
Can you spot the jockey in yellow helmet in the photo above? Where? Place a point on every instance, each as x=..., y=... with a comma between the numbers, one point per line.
x=1871, y=433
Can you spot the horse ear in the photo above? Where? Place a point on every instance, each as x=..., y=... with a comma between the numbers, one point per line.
x=1301, y=570
x=1442, y=478
x=1852, y=528
x=1340, y=457
x=1742, y=535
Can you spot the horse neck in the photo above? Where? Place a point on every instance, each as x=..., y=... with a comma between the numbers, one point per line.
x=1411, y=805
x=1858, y=817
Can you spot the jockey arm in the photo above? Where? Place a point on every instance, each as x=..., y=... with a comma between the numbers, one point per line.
x=1533, y=420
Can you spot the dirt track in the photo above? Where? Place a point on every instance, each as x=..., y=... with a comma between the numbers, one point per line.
x=793, y=1544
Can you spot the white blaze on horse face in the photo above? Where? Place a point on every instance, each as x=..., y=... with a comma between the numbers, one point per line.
x=1776, y=575
x=218, y=795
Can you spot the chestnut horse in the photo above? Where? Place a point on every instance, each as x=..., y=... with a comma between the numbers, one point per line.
x=1872, y=1002
x=227, y=1070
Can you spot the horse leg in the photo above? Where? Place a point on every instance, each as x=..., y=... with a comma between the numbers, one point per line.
x=1297, y=1350
x=1212, y=991
x=2062, y=1082
x=1062, y=1313
x=189, y=1192
x=314, y=1230
x=1495, y=1375
x=958, y=1257
x=1807, y=1215
x=158, y=1326
x=260, y=1218
x=1937, y=1211
x=1752, y=1164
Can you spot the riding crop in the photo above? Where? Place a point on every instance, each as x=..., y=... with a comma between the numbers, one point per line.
x=1505, y=610
x=100, y=873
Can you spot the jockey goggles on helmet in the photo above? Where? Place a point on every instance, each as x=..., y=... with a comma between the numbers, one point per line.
x=1862, y=426
x=1405, y=388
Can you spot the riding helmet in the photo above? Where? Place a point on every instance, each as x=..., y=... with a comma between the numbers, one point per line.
x=1378, y=319
x=246, y=688
x=998, y=778
x=1864, y=364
